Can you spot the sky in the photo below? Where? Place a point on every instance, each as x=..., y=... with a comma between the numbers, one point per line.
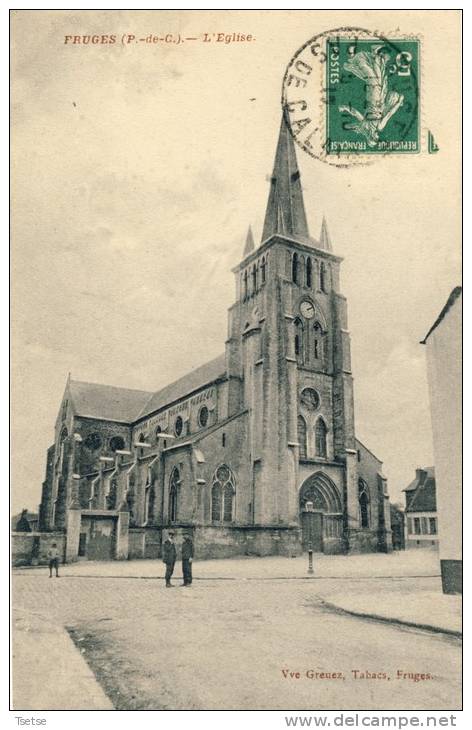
x=136, y=171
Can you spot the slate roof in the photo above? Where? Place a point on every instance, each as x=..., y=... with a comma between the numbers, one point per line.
x=195, y=379
x=127, y=406
x=107, y=401
x=424, y=488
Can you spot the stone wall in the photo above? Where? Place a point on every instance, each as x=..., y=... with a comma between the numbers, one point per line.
x=31, y=548
x=136, y=543
x=363, y=541
x=225, y=542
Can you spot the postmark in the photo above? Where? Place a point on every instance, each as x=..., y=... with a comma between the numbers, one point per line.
x=350, y=94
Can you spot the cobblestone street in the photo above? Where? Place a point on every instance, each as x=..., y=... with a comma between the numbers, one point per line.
x=223, y=644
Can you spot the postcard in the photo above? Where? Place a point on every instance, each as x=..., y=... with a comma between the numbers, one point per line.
x=236, y=328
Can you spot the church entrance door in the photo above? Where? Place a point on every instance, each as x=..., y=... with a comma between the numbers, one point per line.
x=312, y=531
x=320, y=514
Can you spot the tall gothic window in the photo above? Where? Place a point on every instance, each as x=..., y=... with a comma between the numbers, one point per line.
x=320, y=438
x=364, y=501
x=245, y=285
x=150, y=502
x=323, y=277
x=299, y=339
x=254, y=279
x=308, y=275
x=112, y=494
x=295, y=268
x=173, y=494
x=222, y=495
x=131, y=499
x=301, y=431
x=318, y=341
x=263, y=270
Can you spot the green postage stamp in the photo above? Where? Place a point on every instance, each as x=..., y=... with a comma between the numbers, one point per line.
x=350, y=94
x=372, y=96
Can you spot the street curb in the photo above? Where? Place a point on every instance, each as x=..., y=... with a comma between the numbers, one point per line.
x=388, y=620
x=19, y=569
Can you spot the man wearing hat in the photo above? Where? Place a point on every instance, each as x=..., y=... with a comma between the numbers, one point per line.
x=169, y=556
x=187, y=557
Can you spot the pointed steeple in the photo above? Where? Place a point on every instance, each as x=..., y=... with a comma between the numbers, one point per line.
x=325, y=240
x=249, y=245
x=285, y=212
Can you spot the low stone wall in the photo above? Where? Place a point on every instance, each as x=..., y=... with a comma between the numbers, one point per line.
x=31, y=548
x=363, y=541
x=144, y=542
x=136, y=538
x=226, y=542
x=334, y=546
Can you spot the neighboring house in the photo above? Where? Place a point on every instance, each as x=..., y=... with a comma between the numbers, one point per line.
x=420, y=510
x=24, y=521
x=397, y=521
x=443, y=354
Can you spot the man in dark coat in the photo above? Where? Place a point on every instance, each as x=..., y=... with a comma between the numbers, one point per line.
x=187, y=557
x=169, y=556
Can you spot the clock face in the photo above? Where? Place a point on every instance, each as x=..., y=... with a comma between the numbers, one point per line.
x=307, y=309
x=310, y=398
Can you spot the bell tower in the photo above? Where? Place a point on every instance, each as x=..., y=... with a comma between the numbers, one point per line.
x=288, y=348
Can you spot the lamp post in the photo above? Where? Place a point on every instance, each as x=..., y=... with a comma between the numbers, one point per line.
x=309, y=510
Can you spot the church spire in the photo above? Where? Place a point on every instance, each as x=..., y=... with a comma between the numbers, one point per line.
x=325, y=239
x=285, y=212
x=249, y=245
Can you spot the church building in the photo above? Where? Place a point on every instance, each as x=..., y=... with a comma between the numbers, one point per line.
x=254, y=452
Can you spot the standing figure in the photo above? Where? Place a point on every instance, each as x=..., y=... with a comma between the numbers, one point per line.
x=187, y=557
x=169, y=557
x=53, y=556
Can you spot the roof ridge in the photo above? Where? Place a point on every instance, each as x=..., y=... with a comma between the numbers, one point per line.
x=107, y=385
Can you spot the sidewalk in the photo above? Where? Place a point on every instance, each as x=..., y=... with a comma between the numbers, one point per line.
x=428, y=610
x=54, y=675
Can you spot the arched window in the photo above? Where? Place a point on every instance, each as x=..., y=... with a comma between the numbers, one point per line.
x=228, y=493
x=216, y=502
x=254, y=279
x=178, y=426
x=301, y=431
x=173, y=494
x=150, y=502
x=111, y=496
x=222, y=495
x=295, y=268
x=320, y=438
x=131, y=499
x=263, y=270
x=157, y=432
x=364, y=503
x=318, y=341
x=323, y=277
x=308, y=272
x=299, y=339
x=245, y=286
